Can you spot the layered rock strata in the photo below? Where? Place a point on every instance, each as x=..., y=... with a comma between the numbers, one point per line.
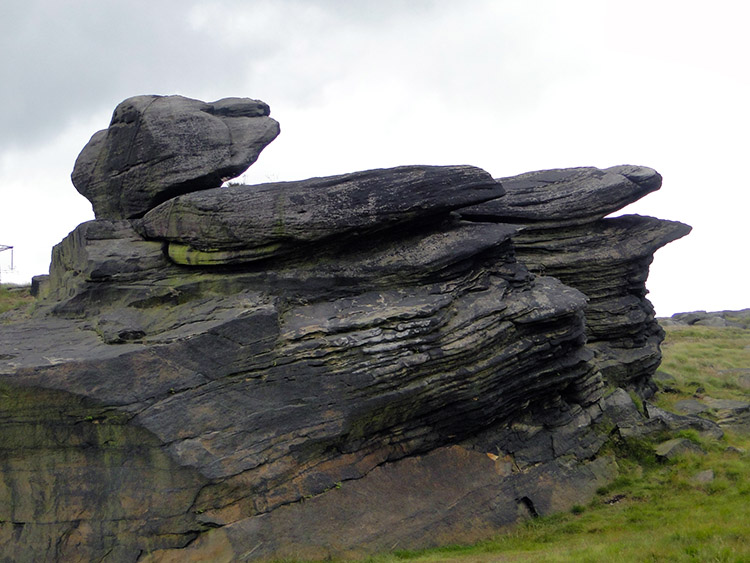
x=237, y=224
x=564, y=233
x=306, y=369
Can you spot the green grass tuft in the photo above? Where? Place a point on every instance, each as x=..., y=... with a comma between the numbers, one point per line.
x=653, y=511
x=14, y=297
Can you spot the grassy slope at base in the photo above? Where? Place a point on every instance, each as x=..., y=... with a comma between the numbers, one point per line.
x=653, y=511
x=14, y=297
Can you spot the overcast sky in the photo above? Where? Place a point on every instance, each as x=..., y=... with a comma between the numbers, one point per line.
x=507, y=85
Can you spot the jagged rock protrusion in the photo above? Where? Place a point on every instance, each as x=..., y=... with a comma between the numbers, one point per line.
x=569, y=196
x=277, y=391
x=564, y=233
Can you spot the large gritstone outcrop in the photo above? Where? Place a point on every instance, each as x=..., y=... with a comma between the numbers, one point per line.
x=564, y=232
x=329, y=367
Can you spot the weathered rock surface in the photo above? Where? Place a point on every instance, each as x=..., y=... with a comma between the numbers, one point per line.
x=320, y=368
x=266, y=398
x=660, y=420
x=690, y=406
x=237, y=224
x=569, y=196
x=675, y=447
x=704, y=477
x=729, y=413
x=565, y=234
x=158, y=147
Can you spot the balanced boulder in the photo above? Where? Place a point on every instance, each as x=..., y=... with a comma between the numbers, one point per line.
x=158, y=147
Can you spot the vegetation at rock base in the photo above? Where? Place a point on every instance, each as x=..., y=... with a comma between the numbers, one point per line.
x=705, y=361
x=14, y=297
x=654, y=511
x=695, y=507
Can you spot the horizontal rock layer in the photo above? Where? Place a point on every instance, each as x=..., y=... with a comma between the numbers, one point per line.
x=609, y=262
x=607, y=259
x=245, y=223
x=568, y=196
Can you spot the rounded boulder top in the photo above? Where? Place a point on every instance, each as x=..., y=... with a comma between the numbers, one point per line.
x=159, y=147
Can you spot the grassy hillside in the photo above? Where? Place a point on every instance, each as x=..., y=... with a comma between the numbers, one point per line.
x=706, y=360
x=14, y=297
x=654, y=511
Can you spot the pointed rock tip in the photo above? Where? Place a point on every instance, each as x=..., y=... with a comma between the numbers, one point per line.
x=641, y=175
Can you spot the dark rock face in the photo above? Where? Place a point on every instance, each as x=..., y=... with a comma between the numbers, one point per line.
x=563, y=197
x=565, y=234
x=157, y=147
x=238, y=224
x=321, y=368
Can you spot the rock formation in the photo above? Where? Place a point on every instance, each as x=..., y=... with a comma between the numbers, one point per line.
x=327, y=367
x=158, y=147
x=565, y=234
x=732, y=319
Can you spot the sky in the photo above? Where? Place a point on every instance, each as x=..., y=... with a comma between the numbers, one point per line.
x=510, y=86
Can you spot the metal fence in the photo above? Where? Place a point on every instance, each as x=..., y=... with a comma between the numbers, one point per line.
x=3, y=248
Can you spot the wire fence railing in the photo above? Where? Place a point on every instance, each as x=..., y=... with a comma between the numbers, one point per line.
x=3, y=248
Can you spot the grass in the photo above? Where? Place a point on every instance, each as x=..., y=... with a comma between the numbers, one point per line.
x=653, y=514
x=653, y=511
x=706, y=360
x=14, y=297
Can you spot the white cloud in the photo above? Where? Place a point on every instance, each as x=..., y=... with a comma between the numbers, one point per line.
x=507, y=85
